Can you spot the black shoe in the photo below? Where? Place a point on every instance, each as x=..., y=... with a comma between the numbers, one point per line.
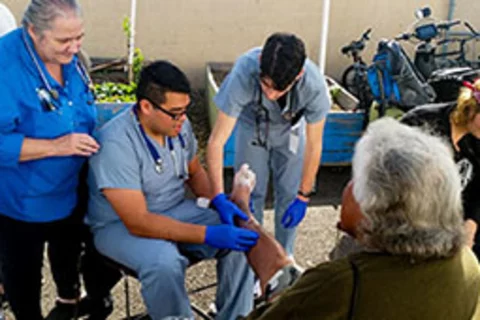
x=96, y=309
x=63, y=311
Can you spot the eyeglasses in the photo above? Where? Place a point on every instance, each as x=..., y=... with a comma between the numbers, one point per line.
x=173, y=116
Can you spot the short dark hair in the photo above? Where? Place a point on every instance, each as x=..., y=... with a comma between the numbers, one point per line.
x=282, y=59
x=158, y=78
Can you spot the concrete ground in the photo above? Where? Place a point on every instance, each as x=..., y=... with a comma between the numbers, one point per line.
x=316, y=237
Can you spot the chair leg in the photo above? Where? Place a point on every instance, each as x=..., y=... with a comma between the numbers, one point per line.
x=127, y=296
x=200, y=312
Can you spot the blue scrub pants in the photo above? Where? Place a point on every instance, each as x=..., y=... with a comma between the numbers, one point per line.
x=285, y=166
x=161, y=266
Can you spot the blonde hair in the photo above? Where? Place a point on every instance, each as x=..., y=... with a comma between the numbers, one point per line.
x=467, y=106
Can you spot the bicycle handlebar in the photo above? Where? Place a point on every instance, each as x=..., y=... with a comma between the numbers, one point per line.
x=357, y=45
x=366, y=34
x=448, y=24
x=470, y=27
x=441, y=26
x=404, y=36
x=346, y=49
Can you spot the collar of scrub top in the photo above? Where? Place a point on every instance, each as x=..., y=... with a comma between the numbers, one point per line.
x=262, y=112
x=157, y=159
x=48, y=95
x=288, y=112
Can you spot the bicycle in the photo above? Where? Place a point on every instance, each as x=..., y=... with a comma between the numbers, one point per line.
x=461, y=59
x=354, y=78
x=426, y=32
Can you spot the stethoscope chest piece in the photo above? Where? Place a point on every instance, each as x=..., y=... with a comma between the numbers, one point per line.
x=159, y=165
x=46, y=98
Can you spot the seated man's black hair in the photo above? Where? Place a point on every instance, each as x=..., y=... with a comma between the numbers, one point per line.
x=160, y=77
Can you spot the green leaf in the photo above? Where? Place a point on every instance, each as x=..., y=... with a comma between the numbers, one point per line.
x=115, y=92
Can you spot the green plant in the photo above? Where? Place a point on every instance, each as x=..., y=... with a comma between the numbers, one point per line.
x=118, y=92
x=138, y=59
x=115, y=92
x=126, y=27
x=334, y=92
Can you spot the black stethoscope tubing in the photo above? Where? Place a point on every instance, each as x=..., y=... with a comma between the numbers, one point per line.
x=288, y=113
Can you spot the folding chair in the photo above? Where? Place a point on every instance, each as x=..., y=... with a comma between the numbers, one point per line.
x=126, y=272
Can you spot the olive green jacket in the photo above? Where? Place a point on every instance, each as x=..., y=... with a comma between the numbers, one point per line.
x=387, y=287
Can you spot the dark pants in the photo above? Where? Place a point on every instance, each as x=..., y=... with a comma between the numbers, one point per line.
x=476, y=245
x=21, y=252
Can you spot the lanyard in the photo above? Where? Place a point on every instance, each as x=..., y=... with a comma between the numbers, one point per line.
x=262, y=113
x=174, y=157
x=157, y=159
x=47, y=94
x=288, y=112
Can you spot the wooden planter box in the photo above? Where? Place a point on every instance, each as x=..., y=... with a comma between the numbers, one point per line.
x=342, y=128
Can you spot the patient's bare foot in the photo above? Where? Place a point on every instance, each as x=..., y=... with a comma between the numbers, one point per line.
x=243, y=184
x=273, y=267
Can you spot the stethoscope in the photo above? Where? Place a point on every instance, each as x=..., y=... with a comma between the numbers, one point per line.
x=48, y=95
x=157, y=159
x=289, y=113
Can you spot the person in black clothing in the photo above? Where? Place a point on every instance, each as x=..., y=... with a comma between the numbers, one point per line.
x=459, y=124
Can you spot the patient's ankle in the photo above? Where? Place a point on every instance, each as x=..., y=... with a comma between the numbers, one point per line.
x=240, y=195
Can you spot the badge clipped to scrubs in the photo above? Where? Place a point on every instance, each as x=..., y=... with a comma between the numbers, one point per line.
x=294, y=139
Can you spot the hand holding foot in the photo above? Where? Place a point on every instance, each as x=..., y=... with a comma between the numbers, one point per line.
x=275, y=270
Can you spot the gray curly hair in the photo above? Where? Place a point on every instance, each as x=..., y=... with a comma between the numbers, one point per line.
x=408, y=188
x=41, y=13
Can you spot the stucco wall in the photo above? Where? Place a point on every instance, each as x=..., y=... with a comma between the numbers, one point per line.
x=192, y=32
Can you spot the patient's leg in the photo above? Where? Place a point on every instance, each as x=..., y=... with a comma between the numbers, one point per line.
x=267, y=257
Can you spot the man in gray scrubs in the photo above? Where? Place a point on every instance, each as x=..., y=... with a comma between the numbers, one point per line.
x=138, y=211
x=279, y=101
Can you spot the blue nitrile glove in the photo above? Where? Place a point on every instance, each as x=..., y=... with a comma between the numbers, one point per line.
x=294, y=214
x=227, y=209
x=230, y=237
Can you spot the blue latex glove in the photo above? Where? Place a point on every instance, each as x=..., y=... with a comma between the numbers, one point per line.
x=227, y=209
x=294, y=214
x=230, y=237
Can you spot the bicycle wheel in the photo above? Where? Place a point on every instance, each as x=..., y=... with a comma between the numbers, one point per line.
x=355, y=81
x=348, y=80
